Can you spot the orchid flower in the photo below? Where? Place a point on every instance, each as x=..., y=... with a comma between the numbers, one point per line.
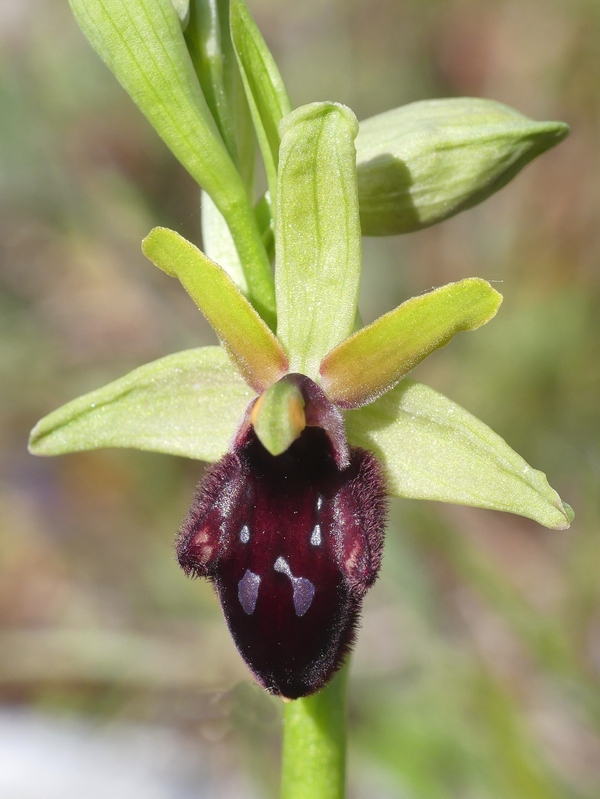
x=308, y=418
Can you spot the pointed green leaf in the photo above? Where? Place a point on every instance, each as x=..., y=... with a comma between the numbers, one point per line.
x=142, y=43
x=376, y=357
x=265, y=90
x=434, y=449
x=317, y=243
x=252, y=346
x=278, y=416
x=426, y=161
x=188, y=404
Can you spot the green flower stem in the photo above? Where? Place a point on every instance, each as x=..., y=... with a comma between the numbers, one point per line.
x=253, y=256
x=314, y=743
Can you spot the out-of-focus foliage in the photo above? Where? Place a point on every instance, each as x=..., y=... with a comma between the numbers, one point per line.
x=477, y=668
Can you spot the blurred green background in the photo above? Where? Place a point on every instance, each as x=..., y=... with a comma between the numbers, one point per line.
x=476, y=674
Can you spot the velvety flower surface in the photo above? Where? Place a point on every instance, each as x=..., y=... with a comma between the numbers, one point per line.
x=291, y=543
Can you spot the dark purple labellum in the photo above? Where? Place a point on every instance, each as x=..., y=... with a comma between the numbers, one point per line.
x=292, y=543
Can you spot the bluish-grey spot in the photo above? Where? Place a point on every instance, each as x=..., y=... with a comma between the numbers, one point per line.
x=245, y=534
x=304, y=590
x=248, y=591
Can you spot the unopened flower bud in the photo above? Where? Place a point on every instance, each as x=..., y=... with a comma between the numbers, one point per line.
x=424, y=162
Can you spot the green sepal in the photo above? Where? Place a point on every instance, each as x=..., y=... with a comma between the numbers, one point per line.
x=188, y=404
x=142, y=43
x=317, y=233
x=376, y=357
x=278, y=416
x=426, y=161
x=434, y=449
x=265, y=90
x=248, y=340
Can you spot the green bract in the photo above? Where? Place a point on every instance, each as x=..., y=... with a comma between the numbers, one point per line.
x=209, y=44
x=143, y=44
x=265, y=89
x=416, y=165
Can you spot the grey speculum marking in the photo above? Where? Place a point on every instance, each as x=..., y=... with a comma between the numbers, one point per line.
x=316, y=539
x=304, y=590
x=248, y=591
